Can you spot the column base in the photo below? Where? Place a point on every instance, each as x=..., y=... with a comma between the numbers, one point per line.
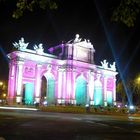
x=63, y=101
x=114, y=103
x=11, y=100
x=91, y=102
x=37, y=99
x=72, y=101
x=105, y=103
x=18, y=99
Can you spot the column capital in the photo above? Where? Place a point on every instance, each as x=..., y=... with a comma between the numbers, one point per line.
x=19, y=59
x=20, y=62
x=39, y=65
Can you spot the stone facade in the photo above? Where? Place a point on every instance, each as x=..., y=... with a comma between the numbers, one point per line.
x=68, y=77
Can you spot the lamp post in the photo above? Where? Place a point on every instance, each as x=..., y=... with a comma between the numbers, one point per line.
x=2, y=92
x=1, y=87
x=136, y=89
x=1, y=83
x=138, y=80
x=137, y=83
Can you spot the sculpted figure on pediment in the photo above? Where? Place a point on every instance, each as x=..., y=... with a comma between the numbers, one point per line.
x=21, y=45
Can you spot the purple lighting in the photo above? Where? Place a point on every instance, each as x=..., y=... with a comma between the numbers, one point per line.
x=71, y=76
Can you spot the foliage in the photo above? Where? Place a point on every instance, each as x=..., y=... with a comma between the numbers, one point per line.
x=127, y=12
x=31, y=5
x=121, y=91
x=63, y=109
x=136, y=89
x=82, y=110
x=133, y=85
x=3, y=90
x=136, y=85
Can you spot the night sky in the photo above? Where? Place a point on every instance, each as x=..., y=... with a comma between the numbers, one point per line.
x=91, y=19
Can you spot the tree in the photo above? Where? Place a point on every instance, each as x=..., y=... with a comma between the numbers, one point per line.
x=3, y=91
x=121, y=92
x=133, y=85
x=31, y=5
x=136, y=89
x=127, y=12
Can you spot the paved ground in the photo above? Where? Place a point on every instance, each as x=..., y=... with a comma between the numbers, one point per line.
x=36, y=125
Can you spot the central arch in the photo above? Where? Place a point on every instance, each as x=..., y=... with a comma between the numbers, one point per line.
x=48, y=89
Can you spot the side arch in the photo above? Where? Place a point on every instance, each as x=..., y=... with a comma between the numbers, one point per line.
x=81, y=91
x=98, y=91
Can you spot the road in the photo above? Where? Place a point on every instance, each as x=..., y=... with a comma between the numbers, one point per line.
x=37, y=125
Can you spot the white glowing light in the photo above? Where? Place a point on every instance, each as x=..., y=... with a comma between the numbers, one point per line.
x=87, y=105
x=18, y=108
x=37, y=100
x=45, y=103
x=131, y=107
x=119, y=106
x=59, y=101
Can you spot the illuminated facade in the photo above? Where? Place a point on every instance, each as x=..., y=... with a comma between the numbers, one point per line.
x=70, y=77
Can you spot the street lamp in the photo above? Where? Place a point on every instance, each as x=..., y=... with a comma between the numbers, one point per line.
x=1, y=83
x=4, y=95
x=138, y=80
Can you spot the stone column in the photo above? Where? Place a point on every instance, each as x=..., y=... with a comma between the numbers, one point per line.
x=105, y=90
x=73, y=101
x=11, y=83
x=69, y=85
x=59, y=86
x=38, y=83
x=91, y=88
x=114, y=92
x=19, y=73
x=64, y=86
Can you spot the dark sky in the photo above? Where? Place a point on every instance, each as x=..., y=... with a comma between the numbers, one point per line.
x=89, y=18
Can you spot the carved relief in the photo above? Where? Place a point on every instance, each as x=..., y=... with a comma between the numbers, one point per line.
x=29, y=71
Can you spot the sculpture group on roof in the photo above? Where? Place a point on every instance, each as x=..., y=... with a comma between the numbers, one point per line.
x=105, y=65
x=39, y=49
x=83, y=43
x=21, y=45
